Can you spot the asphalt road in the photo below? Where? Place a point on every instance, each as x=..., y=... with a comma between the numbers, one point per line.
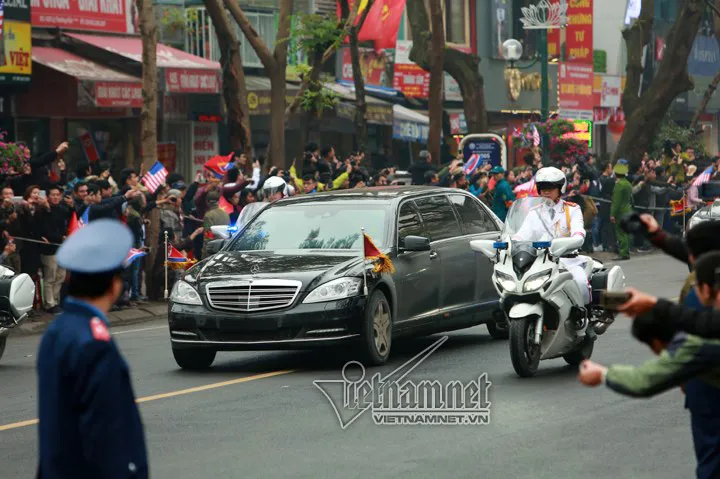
x=247, y=417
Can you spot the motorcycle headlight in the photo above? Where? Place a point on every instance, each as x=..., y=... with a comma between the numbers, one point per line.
x=505, y=281
x=183, y=293
x=334, y=290
x=536, y=281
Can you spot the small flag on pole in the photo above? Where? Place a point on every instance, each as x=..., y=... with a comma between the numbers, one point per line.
x=704, y=177
x=155, y=177
x=536, y=136
x=382, y=262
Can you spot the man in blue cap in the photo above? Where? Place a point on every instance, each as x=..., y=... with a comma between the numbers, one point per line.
x=90, y=426
x=503, y=196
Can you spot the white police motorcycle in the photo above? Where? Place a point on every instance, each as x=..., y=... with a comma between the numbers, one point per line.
x=17, y=293
x=542, y=303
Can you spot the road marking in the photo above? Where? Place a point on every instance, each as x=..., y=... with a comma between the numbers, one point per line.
x=182, y=392
x=138, y=330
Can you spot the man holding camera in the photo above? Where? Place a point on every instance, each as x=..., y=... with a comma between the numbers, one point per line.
x=682, y=359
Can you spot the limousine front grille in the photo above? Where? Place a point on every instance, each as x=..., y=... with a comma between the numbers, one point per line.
x=252, y=295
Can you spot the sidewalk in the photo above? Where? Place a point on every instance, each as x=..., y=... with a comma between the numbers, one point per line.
x=140, y=314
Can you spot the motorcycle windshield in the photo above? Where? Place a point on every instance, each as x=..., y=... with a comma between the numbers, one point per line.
x=529, y=221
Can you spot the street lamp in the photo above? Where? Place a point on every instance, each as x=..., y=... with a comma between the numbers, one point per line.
x=542, y=17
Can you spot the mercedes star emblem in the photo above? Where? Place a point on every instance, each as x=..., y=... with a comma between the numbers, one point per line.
x=255, y=269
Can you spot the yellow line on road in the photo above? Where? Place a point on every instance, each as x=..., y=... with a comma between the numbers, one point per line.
x=182, y=392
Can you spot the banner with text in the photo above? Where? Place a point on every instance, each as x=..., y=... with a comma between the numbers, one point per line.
x=110, y=16
x=15, y=53
x=577, y=98
x=408, y=77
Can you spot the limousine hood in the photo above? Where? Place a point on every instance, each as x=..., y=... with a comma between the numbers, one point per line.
x=307, y=266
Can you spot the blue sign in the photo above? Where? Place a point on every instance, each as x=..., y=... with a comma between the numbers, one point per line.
x=410, y=131
x=480, y=152
x=704, y=59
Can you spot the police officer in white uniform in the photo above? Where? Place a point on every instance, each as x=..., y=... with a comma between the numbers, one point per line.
x=564, y=219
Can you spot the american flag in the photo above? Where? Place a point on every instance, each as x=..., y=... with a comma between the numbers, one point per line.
x=536, y=136
x=155, y=177
x=85, y=218
x=704, y=177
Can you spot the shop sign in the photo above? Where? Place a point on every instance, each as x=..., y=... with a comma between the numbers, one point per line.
x=410, y=131
x=167, y=155
x=259, y=101
x=408, y=77
x=576, y=90
x=192, y=81
x=204, y=144
x=583, y=132
x=375, y=114
x=116, y=94
x=372, y=64
x=109, y=16
x=15, y=52
x=704, y=59
x=611, y=91
x=458, y=124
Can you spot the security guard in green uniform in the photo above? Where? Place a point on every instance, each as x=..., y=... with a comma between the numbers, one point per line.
x=621, y=206
x=90, y=426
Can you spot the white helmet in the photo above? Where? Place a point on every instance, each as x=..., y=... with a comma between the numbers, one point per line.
x=274, y=185
x=549, y=178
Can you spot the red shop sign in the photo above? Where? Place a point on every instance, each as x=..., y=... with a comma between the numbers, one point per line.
x=579, y=31
x=115, y=94
x=192, y=81
x=94, y=15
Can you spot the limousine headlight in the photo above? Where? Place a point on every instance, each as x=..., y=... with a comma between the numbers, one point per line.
x=334, y=290
x=183, y=293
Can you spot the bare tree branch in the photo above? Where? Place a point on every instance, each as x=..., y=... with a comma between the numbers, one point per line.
x=256, y=41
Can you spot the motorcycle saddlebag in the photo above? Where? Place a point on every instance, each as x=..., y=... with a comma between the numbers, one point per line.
x=17, y=294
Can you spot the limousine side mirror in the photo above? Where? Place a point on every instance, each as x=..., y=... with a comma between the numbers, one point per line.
x=214, y=246
x=416, y=243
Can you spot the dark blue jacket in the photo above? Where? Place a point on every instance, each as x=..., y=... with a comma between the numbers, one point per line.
x=90, y=426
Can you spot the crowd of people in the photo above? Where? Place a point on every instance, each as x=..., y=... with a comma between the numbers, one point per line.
x=40, y=203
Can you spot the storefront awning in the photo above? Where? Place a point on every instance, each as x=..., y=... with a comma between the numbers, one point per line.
x=379, y=112
x=181, y=71
x=98, y=85
x=410, y=125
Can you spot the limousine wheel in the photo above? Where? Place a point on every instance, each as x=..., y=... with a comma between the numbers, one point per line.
x=194, y=359
x=377, y=330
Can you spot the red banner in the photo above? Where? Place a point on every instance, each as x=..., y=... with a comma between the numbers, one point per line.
x=579, y=32
x=114, y=94
x=167, y=155
x=382, y=23
x=553, y=38
x=576, y=90
x=89, y=148
x=94, y=15
x=180, y=80
x=372, y=64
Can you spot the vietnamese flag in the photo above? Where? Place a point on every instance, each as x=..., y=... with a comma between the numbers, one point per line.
x=373, y=254
x=225, y=205
x=390, y=16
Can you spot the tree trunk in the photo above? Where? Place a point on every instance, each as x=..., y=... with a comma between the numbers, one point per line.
x=275, y=64
x=714, y=84
x=360, y=102
x=437, y=58
x=463, y=67
x=148, y=113
x=234, y=87
x=637, y=37
x=671, y=80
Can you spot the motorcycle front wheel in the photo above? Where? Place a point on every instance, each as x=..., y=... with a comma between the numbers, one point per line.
x=525, y=355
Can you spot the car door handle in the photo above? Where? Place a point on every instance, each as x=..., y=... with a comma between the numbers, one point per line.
x=433, y=255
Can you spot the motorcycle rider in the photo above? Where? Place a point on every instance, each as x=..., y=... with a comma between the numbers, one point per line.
x=564, y=219
x=274, y=188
